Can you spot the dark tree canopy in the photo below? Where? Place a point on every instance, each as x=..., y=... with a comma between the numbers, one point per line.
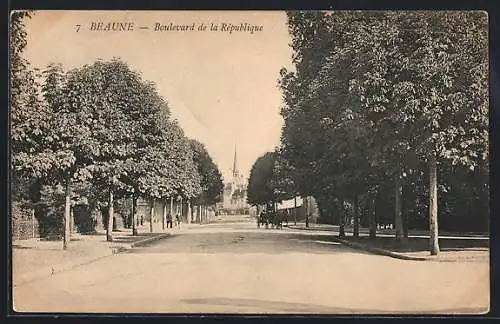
x=211, y=178
x=378, y=95
x=261, y=189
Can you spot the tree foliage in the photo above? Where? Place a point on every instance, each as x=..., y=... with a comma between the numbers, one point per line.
x=100, y=131
x=261, y=188
x=376, y=95
x=211, y=178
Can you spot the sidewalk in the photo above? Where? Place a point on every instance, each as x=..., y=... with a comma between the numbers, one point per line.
x=387, y=232
x=480, y=254
x=34, y=258
x=453, y=248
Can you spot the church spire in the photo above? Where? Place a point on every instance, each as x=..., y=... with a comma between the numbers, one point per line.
x=235, y=165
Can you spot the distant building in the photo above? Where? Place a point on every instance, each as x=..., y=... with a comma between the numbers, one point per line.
x=235, y=192
x=299, y=208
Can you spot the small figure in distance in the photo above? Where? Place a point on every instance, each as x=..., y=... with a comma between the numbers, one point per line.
x=169, y=220
x=178, y=220
x=260, y=219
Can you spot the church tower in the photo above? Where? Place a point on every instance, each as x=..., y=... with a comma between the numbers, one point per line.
x=236, y=172
x=234, y=200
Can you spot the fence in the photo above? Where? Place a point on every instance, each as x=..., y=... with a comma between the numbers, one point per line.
x=23, y=229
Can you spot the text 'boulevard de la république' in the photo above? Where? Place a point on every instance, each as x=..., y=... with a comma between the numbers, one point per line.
x=102, y=26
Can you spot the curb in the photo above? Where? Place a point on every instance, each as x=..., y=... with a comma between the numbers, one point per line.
x=150, y=239
x=441, y=236
x=379, y=251
x=371, y=249
x=307, y=228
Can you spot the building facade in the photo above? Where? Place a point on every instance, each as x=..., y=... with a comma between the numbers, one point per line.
x=235, y=193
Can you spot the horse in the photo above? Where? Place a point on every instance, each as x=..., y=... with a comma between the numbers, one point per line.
x=276, y=220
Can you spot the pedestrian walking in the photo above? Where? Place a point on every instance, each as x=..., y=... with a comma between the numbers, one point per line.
x=178, y=220
x=169, y=220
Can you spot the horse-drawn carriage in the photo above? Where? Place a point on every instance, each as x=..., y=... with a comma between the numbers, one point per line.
x=273, y=218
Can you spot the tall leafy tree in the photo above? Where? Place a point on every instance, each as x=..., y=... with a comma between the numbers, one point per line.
x=38, y=148
x=28, y=117
x=375, y=92
x=283, y=177
x=432, y=92
x=261, y=188
x=211, y=178
x=95, y=98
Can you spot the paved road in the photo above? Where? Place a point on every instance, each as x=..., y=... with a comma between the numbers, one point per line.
x=235, y=268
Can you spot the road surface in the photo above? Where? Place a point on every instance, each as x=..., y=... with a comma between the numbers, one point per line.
x=233, y=267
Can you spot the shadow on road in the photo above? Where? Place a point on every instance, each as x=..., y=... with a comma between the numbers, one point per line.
x=414, y=244
x=264, y=306
x=246, y=242
x=16, y=246
x=130, y=239
x=270, y=306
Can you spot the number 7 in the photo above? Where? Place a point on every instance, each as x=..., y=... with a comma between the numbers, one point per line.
x=78, y=28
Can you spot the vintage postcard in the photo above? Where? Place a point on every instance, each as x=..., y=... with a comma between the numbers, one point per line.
x=249, y=162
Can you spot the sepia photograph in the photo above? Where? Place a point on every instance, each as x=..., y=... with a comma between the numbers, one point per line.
x=249, y=162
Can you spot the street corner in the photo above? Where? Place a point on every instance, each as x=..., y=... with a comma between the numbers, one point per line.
x=150, y=239
x=379, y=251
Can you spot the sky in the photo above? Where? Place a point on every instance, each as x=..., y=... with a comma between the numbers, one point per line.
x=221, y=86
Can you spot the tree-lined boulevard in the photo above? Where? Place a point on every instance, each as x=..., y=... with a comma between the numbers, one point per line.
x=385, y=122
x=382, y=161
x=232, y=267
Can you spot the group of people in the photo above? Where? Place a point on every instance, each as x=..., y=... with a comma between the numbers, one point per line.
x=272, y=218
x=178, y=220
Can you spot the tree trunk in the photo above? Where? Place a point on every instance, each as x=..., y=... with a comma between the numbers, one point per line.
x=372, y=219
x=398, y=216
x=405, y=218
x=188, y=211
x=342, y=226
x=355, y=228
x=341, y=219
x=172, y=216
x=295, y=210
x=306, y=208
x=134, y=215
x=433, y=207
x=33, y=223
x=180, y=210
x=111, y=212
x=151, y=215
x=71, y=221
x=67, y=216
x=164, y=220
